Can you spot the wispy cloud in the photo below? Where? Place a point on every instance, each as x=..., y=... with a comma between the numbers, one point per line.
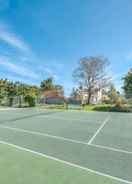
x=117, y=77
x=48, y=71
x=17, y=69
x=12, y=39
x=55, y=64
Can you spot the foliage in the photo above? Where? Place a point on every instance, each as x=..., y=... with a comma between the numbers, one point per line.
x=10, y=90
x=24, y=93
x=127, y=87
x=108, y=108
x=129, y=101
x=98, y=107
x=119, y=102
x=60, y=89
x=124, y=108
x=49, y=89
x=112, y=94
x=90, y=74
x=30, y=100
x=52, y=106
x=47, y=84
x=3, y=89
x=115, y=97
x=76, y=93
x=7, y=90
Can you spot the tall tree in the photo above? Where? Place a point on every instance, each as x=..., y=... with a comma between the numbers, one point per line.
x=11, y=92
x=91, y=75
x=27, y=93
x=128, y=84
x=47, y=84
x=76, y=94
x=3, y=89
x=60, y=89
x=112, y=94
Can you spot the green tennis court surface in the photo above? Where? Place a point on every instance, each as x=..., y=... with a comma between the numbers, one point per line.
x=54, y=146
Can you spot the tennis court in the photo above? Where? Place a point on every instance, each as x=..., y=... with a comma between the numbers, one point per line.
x=57, y=146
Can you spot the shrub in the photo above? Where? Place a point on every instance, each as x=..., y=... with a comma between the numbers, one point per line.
x=129, y=101
x=119, y=101
x=30, y=100
x=124, y=108
x=102, y=107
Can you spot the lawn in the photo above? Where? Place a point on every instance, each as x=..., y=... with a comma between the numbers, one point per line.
x=98, y=107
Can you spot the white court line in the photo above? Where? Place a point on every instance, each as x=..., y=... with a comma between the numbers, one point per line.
x=98, y=131
x=7, y=109
x=43, y=134
x=65, y=139
x=110, y=148
x=66, y=162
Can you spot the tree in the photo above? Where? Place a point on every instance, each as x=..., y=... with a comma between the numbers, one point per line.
x=7, y=90
x=31, y=92
x=115, y=97
x=112, y=94
x=11, y=92
x=76, y=94
x=90, y=74
x=119, y=101
x=47, y=84
x=49, y=89
x=60, y=89
x=20, y=93
x=3, y=89
x=28, y=93
x=127, y=87
x=30, y=100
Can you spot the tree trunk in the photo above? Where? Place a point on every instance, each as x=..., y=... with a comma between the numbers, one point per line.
x=20, y=101
x=10, y=102
x=89, y=96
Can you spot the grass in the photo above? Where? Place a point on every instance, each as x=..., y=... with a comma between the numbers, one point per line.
x=98, y=107
x=52, y=106
x=90, y=107
x=23, y=167
x=108, y=107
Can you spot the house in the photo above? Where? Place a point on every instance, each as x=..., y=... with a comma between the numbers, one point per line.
x=54, y=96
x=97, y=96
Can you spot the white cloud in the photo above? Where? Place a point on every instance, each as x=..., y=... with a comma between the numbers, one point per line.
x=50, y=72
x=43, y=69
x=17, y=69
x=117, y=77
x=12, y=39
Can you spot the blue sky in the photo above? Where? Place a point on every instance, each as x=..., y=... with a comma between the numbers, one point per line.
x=41, y=38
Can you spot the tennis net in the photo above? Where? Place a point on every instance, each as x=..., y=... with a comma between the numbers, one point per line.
x=11, y=116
